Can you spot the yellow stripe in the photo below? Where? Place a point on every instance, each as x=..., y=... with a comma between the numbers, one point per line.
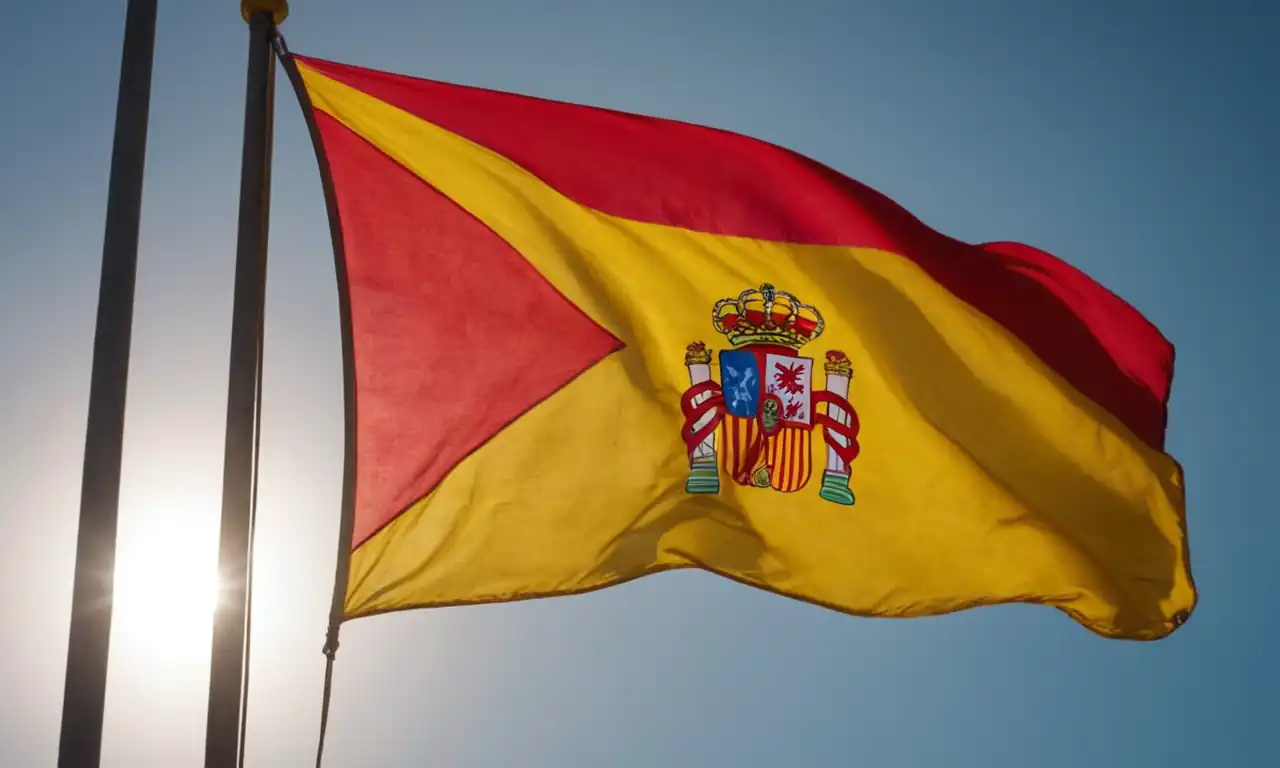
x=983, y=478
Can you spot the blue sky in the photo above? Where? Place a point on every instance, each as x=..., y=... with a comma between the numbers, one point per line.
x=1134, y=139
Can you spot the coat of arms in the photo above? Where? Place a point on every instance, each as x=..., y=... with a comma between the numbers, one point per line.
x=758, y=421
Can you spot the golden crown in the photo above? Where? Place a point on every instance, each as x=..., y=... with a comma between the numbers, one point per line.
x=766, y=316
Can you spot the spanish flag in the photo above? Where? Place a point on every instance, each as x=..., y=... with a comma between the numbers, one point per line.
x=586, y=346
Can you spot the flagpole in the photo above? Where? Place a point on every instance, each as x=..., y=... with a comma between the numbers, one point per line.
x=229, y=656
x=89, y=641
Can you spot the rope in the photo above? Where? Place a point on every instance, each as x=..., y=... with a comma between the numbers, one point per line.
x=330, y=651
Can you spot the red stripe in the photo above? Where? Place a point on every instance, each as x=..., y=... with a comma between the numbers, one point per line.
x=801, y=451
x=792, y=460
x=667, y=172
x=769, y=451
x=807, y=457
x=784, y=456
x=784, y=459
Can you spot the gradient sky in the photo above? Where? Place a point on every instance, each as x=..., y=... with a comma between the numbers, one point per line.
x=1137, y=140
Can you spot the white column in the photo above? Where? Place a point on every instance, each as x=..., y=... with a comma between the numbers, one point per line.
x=837, y=384
x=698, y=373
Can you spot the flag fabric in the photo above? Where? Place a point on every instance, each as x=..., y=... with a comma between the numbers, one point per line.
x=590, y=346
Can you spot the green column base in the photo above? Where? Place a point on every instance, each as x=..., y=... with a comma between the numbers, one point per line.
x=704, y=476
x=835, y=488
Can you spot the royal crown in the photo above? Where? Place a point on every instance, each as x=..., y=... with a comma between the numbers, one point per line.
x=767, y=316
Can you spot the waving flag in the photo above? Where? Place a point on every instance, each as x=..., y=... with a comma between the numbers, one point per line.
x=589, y=346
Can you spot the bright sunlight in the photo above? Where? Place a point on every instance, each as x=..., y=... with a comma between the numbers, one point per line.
x=166, y=586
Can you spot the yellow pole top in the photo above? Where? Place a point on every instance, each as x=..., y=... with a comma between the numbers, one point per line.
x=279, y=9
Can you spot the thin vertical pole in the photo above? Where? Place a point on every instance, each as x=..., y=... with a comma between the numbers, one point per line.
x=88, y=647
x=229, y=658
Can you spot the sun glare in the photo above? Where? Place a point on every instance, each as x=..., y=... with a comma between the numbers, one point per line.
x=166, y=588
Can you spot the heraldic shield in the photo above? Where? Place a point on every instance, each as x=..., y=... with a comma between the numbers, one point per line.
x=757, y=422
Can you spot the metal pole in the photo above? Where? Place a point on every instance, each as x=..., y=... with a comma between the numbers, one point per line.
x=229, y=657
x=88, y=646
